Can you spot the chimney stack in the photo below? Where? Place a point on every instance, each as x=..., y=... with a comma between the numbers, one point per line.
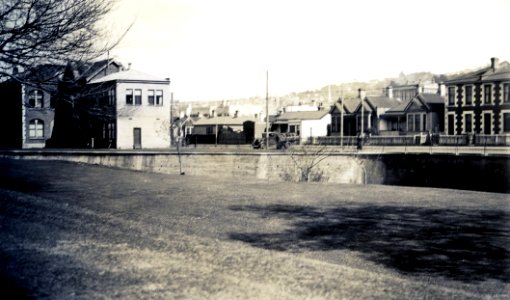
x=494, y=63
x=389, y=92
x=361, y=94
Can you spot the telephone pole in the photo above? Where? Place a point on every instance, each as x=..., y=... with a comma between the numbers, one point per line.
x=267, y=109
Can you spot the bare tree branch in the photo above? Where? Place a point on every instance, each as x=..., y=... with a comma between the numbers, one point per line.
x=35, y=32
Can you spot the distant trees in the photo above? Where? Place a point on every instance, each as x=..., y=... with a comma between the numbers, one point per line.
x=35, y=32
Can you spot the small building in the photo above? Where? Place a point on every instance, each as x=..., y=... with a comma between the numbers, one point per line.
x=422, y=113
x=133, y=111
x=348, y=106
x=226, y=130
x=305, y=124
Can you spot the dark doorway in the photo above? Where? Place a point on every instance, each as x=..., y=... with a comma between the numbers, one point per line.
x=487, y=123
x=451, y=124
x=137, y=138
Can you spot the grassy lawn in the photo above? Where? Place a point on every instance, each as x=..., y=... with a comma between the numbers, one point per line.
x=76, y=231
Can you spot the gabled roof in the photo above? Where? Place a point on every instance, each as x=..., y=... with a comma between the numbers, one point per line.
x=431, y=98
x=382, y=101
x=423, y=99
x=301, y=115
x=399, y=109
x=501, y=72
x=228, y=121
x=131, y=76
x=93, y=69
x=350, y=105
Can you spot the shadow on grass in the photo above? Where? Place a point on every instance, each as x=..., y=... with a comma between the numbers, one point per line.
x=465, y=245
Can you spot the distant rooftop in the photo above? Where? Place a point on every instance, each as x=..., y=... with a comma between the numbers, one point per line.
x=130, y=75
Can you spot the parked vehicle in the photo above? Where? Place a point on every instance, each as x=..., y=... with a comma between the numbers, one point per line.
x=280, y=140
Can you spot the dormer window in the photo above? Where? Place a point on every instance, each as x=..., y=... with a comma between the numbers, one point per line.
x=36, y=99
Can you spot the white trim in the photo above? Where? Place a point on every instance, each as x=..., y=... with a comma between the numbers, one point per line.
x=482, y=121
x=464, y=113
x=446, y=121
x=464, y=98
x=503, y=92
x=448, y=96
x=483, y=93
x=502, y=122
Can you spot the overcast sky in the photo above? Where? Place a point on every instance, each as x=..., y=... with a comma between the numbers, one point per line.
x=221, y=49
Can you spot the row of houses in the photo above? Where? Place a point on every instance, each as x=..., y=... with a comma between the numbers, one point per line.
x=109, y=106
x=472, y=103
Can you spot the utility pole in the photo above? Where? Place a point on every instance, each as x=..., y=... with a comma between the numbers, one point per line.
x=171, y=119
x=342, y=121
x=267, y=109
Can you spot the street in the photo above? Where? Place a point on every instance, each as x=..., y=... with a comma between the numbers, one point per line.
x=71, y=231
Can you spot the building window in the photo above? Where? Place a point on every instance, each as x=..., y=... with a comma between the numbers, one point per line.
x=36, y=129
x=129, y=97
x=159, y=97
x=138, y=97
x=469, y=95
x=36, y=99
x=487, y=94
x=150, y=97
x=209, y=130
x=111, y=131
x=506, y=122
x=410, y=122
x=111, y=97
x=335, y=124
x=506, y=93
x=468, y=123
x=417, y=123
x=451, y=95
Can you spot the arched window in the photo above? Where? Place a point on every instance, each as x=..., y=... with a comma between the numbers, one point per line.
x=35, y=99
x=36, y=128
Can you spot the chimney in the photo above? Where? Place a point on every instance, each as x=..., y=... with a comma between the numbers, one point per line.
x=442, y=89
x=361, y=94
x=389, y=92
x=494, y=63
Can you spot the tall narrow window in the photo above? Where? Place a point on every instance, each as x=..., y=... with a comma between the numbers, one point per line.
x=129, y=97
x=36, y=129
x=150, y=97
x=138, y=97
x=506, y=122
x=111, y=97
x=111, y=131
x=410, y=122
x=417, y=123
x=451, y=95
x=469, y=95
x=468, y=123
x=35, y=99
x=506, y=93
x=159, y=97
x=487, y=93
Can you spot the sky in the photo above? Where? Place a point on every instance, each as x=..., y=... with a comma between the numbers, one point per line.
x=223, y=49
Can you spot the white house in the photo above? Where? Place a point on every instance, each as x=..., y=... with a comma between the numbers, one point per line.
x=141, y=117
x=305, y=124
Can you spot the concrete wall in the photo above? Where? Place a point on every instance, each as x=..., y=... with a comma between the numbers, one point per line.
x=483, y=173
x=270, y=166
